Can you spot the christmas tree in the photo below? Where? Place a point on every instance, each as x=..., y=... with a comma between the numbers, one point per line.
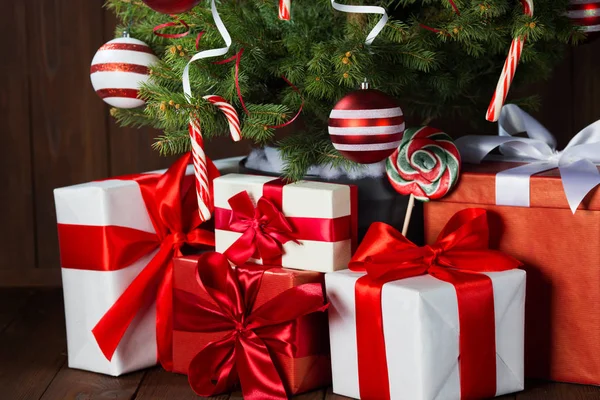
x=437, y=57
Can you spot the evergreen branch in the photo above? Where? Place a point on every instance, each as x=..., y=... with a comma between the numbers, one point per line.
x=173, y=143
x=451, y=72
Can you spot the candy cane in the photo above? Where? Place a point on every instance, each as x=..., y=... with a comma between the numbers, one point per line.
x=205, y=203
x=284, y=9
x=199, y=156
x=230, y=113
x=200, y=170
x=508, y=71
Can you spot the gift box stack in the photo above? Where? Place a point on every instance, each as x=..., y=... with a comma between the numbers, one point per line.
x=268, y=311
x=544, y=210
x=252, y=314
x=275, y=296
x=143, y=284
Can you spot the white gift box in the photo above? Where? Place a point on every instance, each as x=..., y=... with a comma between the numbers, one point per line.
x=302, y=199
x=421, y=333
x=88, y=294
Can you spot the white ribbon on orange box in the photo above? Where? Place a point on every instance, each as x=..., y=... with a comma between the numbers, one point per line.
x=306, y=199
x=89, y=294
x=421, y=333
x=576, y=163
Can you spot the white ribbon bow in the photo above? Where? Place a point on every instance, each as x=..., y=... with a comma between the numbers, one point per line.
x=576, y=163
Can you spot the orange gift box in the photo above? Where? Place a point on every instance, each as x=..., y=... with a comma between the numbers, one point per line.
x=561, y=254
x=308, y=370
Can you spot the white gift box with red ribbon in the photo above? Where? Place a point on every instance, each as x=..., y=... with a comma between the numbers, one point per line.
x=322, y=217
x=89, y=293
x=421, y=333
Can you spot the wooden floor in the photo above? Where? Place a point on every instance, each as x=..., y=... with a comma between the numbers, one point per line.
x=33, y=363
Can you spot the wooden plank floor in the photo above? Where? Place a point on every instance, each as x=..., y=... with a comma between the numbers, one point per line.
x=33, y=363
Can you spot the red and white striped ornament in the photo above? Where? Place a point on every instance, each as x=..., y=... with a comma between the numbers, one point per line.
x=585, y=13
x=171, y=6
x=284, y=9
x=203, y=185
x=118, y=70
x=509, y=69
x=366, y=125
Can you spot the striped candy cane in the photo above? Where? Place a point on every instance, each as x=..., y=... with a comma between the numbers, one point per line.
x=203, y=193
x=284, y=9
x=508, y=71
x=230, y=113
x=200, y=170
x=205, y=203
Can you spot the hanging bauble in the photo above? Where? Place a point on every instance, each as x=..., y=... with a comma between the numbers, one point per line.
x=586, y=13
x=171, y=6
x=366, y=125
x=118, y=70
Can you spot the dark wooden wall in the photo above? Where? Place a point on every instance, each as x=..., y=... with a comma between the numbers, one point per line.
x=56, y=131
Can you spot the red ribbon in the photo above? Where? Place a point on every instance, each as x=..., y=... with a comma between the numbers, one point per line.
x=286, y=123
x=238, y=58
x=198, y=37
x=456, y=11
x=250, y=334
x=459, y=255
x=180, y=22
x=264, y=230
x=172, y=207
x=454, y=7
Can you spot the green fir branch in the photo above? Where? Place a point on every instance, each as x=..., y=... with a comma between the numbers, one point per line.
x=448, y=72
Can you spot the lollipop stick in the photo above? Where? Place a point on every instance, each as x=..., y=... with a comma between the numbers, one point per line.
x=409, y=210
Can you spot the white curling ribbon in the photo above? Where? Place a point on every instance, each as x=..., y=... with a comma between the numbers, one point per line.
x=187, y=89
x=576, y=163
x=365, y=10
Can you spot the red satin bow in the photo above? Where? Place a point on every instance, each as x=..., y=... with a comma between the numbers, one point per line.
x=172, y=208
x=459, y=255
x=264, y=230
x=250, y=334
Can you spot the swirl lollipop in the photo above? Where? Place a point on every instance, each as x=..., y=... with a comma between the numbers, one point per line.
x=425, y=166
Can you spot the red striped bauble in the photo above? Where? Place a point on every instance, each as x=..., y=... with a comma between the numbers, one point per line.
x=118, y=70
x=586, y=13
x=171, y=6
x=366, y=126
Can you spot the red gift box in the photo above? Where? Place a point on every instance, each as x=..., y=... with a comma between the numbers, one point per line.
x=310, y=365
x=562, y=259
